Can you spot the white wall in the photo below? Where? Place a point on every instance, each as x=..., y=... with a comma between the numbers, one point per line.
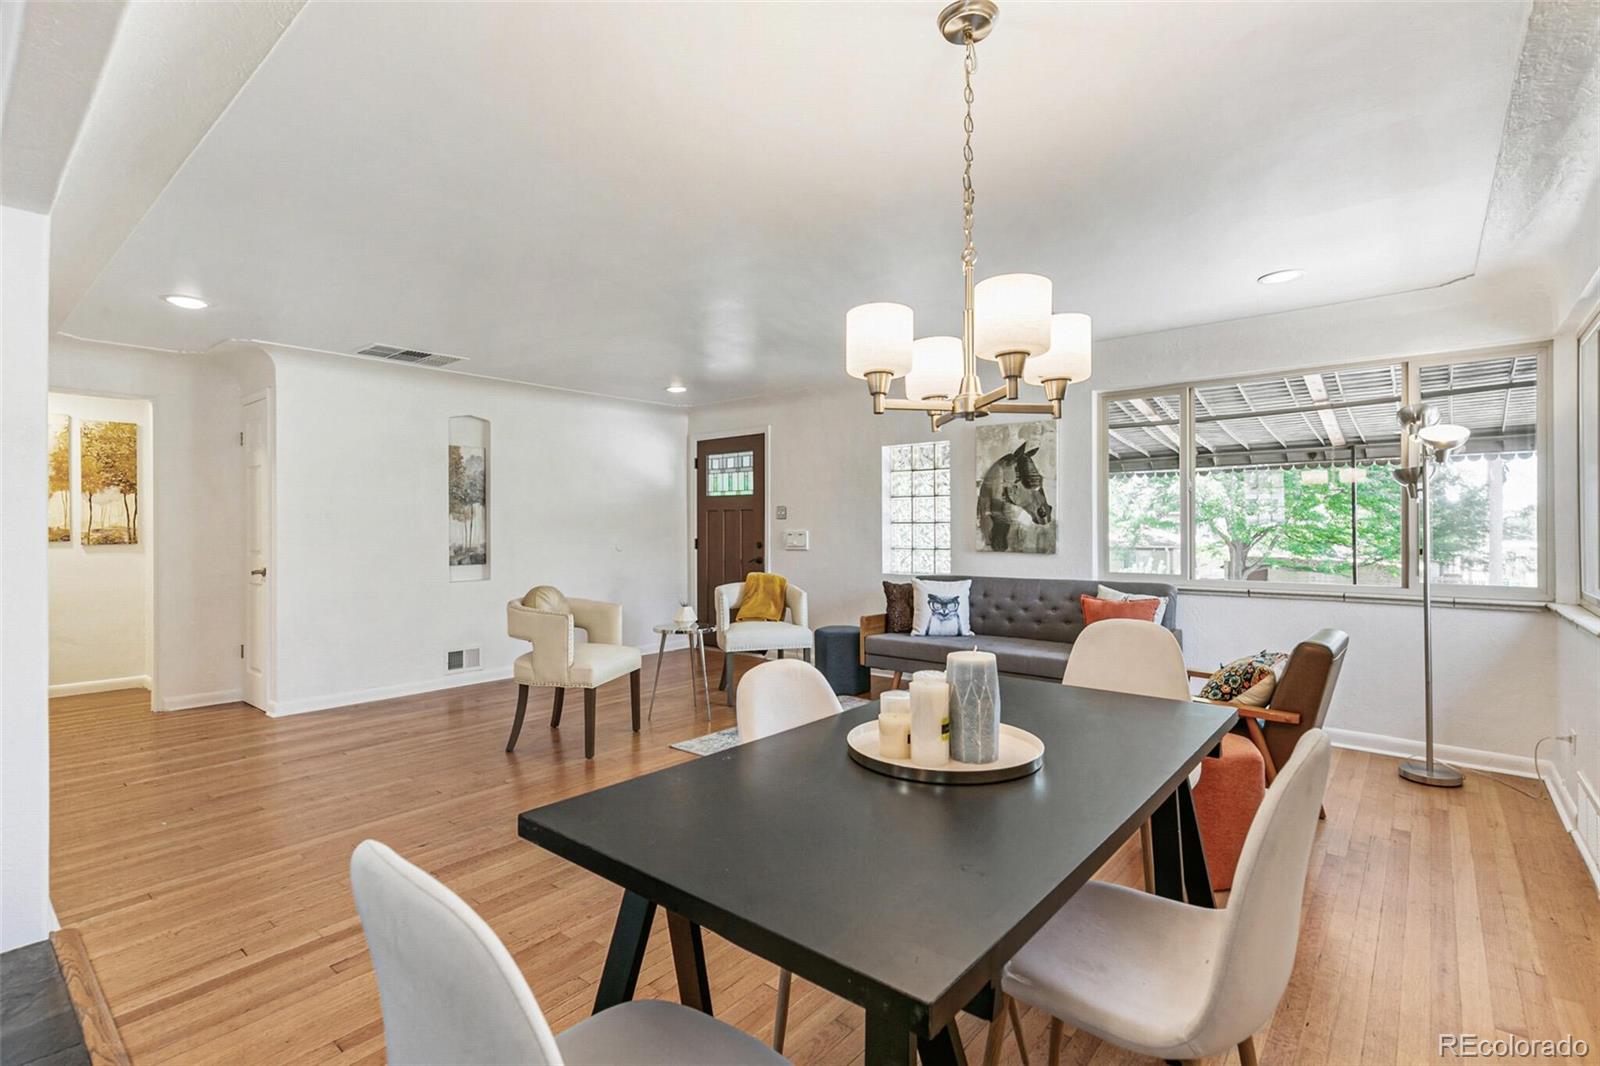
x=1498, y=685
x=195, y=517
x=586, y=494
x=100, y=637
x=25, y=913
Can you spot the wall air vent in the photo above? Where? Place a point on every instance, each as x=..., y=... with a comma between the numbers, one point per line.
x=390, y=354
x=463, y=659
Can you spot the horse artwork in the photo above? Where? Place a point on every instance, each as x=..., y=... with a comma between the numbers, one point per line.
x=1016, y=476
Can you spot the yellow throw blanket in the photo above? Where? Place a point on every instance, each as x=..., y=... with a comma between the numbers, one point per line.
x=762, y=599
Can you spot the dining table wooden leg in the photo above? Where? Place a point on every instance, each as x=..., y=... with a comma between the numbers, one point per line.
x=1196, y=877
x=625, y=956
x=689, y=961
x=943, y=1048
x=888, y=1042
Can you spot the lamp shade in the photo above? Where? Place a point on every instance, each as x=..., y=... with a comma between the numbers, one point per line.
x=936, y=368
x=1011, y=314
x=877, y=337
x=1068, y=357
x=1443, y=436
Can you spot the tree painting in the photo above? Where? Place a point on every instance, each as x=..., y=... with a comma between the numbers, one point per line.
x=59, y=479
x=469, y=545
x=108, y=479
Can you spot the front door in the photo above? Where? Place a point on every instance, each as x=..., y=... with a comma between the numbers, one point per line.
x=730, y=506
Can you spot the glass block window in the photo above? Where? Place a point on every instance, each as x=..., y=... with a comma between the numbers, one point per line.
x=731, y=474
x=916, y=508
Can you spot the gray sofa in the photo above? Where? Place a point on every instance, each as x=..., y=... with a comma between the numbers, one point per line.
x=1028, y=623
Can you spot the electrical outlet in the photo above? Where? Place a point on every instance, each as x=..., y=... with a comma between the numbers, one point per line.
x=783, y=512
x=796, y=540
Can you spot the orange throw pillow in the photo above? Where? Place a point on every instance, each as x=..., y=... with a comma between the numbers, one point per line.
x=1095, y=609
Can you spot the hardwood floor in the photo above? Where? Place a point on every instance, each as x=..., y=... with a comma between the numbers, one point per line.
x=204, y=856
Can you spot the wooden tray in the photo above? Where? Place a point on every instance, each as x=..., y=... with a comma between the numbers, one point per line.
x=1021, y=753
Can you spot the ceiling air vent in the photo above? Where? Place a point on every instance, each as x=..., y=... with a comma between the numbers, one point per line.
x=389, y=353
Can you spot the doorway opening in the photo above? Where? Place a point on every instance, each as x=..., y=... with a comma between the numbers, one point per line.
x=101, y=533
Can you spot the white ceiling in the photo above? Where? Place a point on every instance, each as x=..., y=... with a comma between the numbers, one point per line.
x=606, y=197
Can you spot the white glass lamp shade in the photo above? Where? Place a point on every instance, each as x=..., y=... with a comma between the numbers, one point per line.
x=1068, y=356
x=1314, y=475
x=877, y=337
x=1012, y=314
x=1444, y=437
x=936, y=367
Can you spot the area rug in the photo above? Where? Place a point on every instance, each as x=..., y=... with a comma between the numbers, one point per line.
x=723, y=739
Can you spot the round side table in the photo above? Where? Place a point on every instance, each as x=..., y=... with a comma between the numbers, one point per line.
x=696, y=634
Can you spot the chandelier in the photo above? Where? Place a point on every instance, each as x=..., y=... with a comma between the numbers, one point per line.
x=1006, y=319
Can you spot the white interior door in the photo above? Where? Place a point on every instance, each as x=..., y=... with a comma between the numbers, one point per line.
x=258, y=551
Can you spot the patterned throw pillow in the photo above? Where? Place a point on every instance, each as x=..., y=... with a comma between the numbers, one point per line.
x=941, y=608
x=897, y=611
x=1249, y=680
x=1098, y=610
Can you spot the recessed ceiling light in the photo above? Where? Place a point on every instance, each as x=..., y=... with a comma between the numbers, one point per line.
x=1281, y=277
x=188, y=303
x=677, y=388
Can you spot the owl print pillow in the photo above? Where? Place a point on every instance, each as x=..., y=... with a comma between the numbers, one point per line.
x=941, y=608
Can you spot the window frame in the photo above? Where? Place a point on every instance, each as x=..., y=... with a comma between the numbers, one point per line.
x=1588, y=444
x=1409, y=588
x=884, y=534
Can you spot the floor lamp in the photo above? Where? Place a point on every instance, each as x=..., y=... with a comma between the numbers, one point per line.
x=1434, y=442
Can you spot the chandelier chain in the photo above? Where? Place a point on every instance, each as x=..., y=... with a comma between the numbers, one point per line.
x=969, y=254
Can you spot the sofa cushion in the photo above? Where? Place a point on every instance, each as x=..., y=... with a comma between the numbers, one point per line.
x=897, y=611
x=1013, y=655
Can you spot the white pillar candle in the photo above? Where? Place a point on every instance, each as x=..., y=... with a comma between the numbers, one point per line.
x=974, y=680
x=930, y=721
x=894, y=724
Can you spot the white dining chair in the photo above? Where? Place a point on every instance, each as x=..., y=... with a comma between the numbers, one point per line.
x=452, y=994
x=775, y=696
x=783, y=694
x=1170, y=980
x=1138, y=658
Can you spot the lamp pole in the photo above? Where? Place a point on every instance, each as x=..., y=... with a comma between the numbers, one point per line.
x=1435, y=448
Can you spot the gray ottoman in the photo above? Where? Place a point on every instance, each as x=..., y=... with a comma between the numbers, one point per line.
x=839, y=659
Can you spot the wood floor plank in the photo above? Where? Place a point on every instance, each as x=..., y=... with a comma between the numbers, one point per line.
x=204, y=857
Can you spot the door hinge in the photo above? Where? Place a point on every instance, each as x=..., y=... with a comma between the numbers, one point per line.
x=241, y=438
x=697, y=544
x=241, y=651
x=697, y=462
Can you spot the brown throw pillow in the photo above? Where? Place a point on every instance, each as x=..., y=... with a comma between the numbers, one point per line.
x=897, y=610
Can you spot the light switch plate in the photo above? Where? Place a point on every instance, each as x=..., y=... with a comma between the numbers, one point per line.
x=783, y=512
x=796, y=540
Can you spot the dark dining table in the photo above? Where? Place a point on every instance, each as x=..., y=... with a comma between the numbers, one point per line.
x=905, y=898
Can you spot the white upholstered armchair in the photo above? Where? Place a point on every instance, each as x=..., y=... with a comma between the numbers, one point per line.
x=793, y=633
x=560, y=661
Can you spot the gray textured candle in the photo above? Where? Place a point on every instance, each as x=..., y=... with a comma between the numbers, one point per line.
x=974, y=680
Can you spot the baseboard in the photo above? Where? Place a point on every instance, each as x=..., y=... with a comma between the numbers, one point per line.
x=201, y=699
x=284, y=708
x=109, y=684
x=1567, y=807
x=1467, y=758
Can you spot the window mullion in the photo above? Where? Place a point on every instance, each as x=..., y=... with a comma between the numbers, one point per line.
x=1186, y=465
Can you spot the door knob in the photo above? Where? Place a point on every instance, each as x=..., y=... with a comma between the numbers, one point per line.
x=757, y=561
x=259, y=572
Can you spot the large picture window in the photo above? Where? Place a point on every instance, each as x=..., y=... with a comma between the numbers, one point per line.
x=916, y=508
x=1288, y=479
